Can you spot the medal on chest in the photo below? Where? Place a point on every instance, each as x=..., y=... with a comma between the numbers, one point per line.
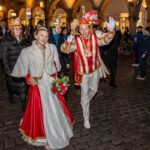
x=87, y=48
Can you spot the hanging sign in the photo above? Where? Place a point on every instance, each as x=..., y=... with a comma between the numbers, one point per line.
x=28, y=13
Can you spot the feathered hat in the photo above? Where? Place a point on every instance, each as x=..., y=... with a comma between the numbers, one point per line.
x=92, y=17
x=16, y=23
x=56, y=22
x=84, y=20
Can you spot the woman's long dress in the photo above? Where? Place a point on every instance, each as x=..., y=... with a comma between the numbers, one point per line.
x=47, y=120
x=57, y=126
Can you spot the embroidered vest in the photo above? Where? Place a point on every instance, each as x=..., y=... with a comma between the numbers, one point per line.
x=88, y=59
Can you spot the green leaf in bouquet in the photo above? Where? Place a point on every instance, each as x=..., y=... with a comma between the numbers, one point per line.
x=64, y=78
x=58, y=80
x=68, y=84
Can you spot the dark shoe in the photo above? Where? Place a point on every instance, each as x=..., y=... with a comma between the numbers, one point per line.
x=113, y=86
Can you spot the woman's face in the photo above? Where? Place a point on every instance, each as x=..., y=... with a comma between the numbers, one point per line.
x=17, y=31
x=42, y=37
x=65, y=32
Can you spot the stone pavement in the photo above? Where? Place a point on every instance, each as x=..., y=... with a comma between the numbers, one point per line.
x=120, y=119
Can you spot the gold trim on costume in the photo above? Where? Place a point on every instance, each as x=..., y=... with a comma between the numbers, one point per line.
x=66, y=49
x=30, y=138
x=106, y=36
x=83, y=55
x=89, y=72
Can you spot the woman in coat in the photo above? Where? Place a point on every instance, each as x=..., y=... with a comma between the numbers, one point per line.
x=12, y=45
x=47, y=121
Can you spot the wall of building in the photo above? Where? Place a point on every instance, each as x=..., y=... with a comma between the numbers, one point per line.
x=114, y=8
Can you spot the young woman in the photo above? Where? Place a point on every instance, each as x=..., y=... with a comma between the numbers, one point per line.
x=12, y=45
x=47, y=121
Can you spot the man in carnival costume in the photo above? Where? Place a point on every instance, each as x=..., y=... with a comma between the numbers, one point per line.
x=88, y=65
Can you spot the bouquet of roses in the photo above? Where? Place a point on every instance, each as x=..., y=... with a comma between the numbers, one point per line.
x=60, y=86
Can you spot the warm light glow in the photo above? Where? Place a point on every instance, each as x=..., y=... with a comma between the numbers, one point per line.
x=139, y=23
x=144, y=4
x=69, y=3
x=117, y=23
x=29, y=3
x=129, y=1
x=41, y=4
x=124, y=15
x=1, y=8
x=13, y=14
x=97, y=2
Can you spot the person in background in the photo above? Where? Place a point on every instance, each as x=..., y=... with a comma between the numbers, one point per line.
x=126, y=35
x=3, y=32
x=3, y=28
x=143, y=50
x=95, y=28
x=32, y=32
x=56, y=38
x=40, y=24
x=136, y=40
x=12, y=45
x=110, y=55
x=65, y=56
x=29, y=30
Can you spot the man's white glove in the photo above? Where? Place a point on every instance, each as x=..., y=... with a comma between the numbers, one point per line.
x=111, y=24
x=70, y=38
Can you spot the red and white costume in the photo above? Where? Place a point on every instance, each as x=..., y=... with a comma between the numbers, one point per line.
x=88, y=64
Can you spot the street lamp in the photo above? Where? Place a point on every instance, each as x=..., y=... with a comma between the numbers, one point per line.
x=42, y=4
x=1, y=8
x=1, y=12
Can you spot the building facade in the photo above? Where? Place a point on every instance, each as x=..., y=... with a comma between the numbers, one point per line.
x=130, y=13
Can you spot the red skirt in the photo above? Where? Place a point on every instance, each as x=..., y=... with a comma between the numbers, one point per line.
x=32, y=125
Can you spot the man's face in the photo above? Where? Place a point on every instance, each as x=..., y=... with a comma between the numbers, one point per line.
x=42, y=37
x=57, y=30
x=139, y=29
x=84, y=31
x=3, y=23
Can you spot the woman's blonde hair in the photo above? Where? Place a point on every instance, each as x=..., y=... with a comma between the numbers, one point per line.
x=41, y=29
x=13, y=34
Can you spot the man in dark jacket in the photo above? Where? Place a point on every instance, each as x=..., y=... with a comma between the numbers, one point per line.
x=110, y=54
x=32, y=32
x=143, y=50
x=3, y=29
x=56, y=38
x=136, y=40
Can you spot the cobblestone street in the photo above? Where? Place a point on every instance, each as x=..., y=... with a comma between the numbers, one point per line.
x=120, y=118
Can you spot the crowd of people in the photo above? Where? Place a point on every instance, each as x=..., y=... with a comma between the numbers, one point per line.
x=32, y=59
x=140, y=48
